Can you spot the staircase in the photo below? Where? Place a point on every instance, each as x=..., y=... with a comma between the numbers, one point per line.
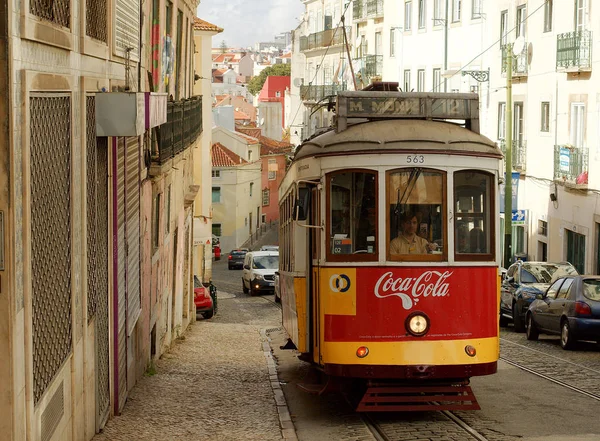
x=267, y=234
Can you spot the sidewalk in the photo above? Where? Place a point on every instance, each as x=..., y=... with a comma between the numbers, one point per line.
x=218, y=382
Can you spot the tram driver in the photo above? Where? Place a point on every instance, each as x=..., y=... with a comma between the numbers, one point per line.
x=408, y=242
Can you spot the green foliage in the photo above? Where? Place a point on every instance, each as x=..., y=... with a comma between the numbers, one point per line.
x=256, y=83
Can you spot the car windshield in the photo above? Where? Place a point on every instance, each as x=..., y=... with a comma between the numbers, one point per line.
x=238, y=253
x=545, y=272
x=591, y=289
x=266, y=262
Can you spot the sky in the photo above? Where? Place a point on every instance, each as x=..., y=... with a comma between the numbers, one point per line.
x=246, y=22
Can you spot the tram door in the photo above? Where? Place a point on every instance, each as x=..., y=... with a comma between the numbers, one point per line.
x=313, y=254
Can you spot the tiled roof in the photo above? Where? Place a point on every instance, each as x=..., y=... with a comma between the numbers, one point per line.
x=223, y=157
x=240, y=115
x=227, y=57
x=219, y=72
x=202, y=25
x=250, y=139
x=270, y=146
x=250, y=131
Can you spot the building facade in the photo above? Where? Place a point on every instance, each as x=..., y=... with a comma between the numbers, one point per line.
x=91, y=140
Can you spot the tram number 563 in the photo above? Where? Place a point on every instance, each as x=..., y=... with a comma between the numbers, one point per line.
x=415, y=159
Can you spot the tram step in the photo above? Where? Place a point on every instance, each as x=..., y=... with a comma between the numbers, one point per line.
x=392, y=398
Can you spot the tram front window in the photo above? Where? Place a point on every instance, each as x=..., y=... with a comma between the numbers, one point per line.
x=472, y=200
x=416, y=209
x=353, y=213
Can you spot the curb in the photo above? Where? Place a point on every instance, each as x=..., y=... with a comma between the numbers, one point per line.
x=288, y=430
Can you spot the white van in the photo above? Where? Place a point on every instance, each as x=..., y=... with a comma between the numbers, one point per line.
x=259, y=271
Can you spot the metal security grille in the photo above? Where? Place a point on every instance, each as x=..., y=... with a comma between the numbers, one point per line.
x=95, y=19
x=56, y=11
x=132, y=201
x=50, y=144
x=121, y=275
x=97, y=235
x=127, y=26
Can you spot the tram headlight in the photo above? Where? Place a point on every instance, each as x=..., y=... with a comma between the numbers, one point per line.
x=470, y=350
x=362, y=352
x=417, y=324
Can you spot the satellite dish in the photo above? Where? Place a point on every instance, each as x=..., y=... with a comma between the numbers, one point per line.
x=518, y=45
x=298, y=82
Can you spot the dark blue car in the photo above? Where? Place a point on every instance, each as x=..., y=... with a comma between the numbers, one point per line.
x=569, y=308
x=522, y=283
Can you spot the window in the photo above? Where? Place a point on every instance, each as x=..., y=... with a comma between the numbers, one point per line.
x=456, y=10
x=545, y=117
x=156, y=221
x=266, y=196
x=217, y=230
x=437, y=79
x=407, y=15
x=378, y=43
x=542, y=228
x=407, y=80
x=421, y=80
x=553, y=290
x=518, y=123
x=263, y=218
x=475, y=9
x=249, y=155
x=168, y=219
x=548, y=16
x=580, y=14
x=392, y=42
x=473, y=214
x=272, y=169
x=216, y=173
x=416, y=213
x=521, y=15
x=422, y=13
x=564, y=289
x=278, y=94
x=577, y=124
x=503, y=28
x=251, y=187
x=352, y=220
x=501, y=120
x=438, y=11
x=216, y=195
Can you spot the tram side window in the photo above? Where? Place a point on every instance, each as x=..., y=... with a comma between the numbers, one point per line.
x=473, y=208
x=353, y=213
x=415, y=199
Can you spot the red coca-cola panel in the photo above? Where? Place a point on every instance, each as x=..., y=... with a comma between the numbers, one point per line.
x=461, y=303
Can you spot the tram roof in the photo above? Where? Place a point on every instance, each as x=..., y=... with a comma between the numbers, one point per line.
x=398, y=135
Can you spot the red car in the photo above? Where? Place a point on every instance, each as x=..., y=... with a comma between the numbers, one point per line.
x=203, y=300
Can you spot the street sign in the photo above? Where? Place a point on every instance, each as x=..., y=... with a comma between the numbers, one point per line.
x=519, y=217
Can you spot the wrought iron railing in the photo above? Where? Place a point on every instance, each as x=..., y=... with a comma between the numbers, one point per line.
x=519, y=153
x=362, y=9
x=317, y=40
x=571, y=164
x=369, y=66
x=574, y=49
x=57, y=12
x=519, y=62
x=183, y=126
x=317, y=93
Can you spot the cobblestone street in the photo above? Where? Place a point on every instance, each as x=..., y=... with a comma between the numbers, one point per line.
x=213, y=385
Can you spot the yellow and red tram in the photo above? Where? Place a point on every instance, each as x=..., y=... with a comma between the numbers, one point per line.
x=389, y=249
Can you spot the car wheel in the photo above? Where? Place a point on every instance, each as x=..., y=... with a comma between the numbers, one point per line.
x=252, y=291
x=503, y=321
x=230, y=267
x=532, y=330
x=244, y=287
x=517, y=319
x=208, y=314
x=566, y=337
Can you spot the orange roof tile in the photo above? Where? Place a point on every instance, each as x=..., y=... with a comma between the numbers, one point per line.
x=250, y=131
x=240, y=115
x=202, y=25
x=270, y=146
x=223, y=157
x=250, y=139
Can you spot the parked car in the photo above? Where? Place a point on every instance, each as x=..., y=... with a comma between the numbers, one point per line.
x=203, y=300
x=236, y=258
x=569, y=308
x=270, y=248
x=259, y=271
x=523, y=282
x=276, y=287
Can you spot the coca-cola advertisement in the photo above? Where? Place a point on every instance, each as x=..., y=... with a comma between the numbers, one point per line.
x=461, y=302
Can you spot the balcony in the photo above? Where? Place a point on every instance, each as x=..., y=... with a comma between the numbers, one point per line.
x=519, y=153
x=183, y=126
x=370, y=66
x=519, y=63
x=363, y=9
x=571, y=165
x=317, y=93
x=574, y=51
x=323, y=39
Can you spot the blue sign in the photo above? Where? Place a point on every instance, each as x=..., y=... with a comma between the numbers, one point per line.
x=519, y=217
x=515, y=191
x=565, y=159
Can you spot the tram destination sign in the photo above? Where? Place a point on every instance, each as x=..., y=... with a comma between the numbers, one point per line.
x=389, y=105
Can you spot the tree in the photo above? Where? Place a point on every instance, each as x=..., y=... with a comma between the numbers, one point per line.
x=223, y=47
x=256, y=83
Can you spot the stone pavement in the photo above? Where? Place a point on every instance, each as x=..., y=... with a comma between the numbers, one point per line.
x=218, y=382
